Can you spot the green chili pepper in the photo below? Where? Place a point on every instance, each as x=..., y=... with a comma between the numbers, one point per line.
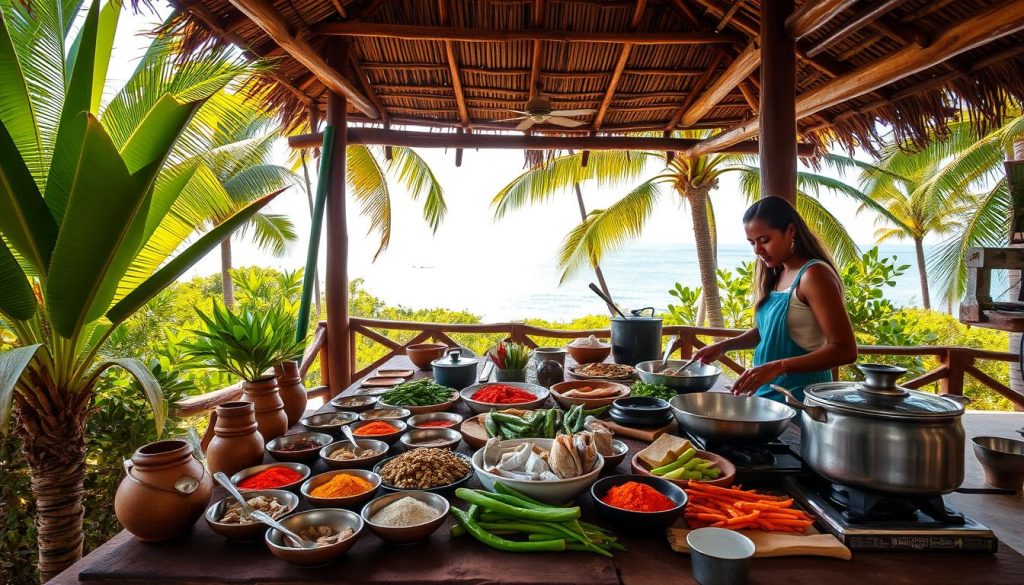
x=499, y=543
x=484, y=500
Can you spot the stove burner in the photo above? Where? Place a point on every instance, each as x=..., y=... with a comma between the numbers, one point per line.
x=861, y=506
x=751, y=455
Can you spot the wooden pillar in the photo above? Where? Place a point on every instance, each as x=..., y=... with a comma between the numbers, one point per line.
x=777, y=122
x=337, y=233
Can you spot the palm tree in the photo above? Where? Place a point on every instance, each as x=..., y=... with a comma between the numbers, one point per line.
x=93, y=206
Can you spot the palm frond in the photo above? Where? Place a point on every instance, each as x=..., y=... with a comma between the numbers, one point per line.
x=270, y=232
x=827, y=228
x=369, y=187
x=418, y=178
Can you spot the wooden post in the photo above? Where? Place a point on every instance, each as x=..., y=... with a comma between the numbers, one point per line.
x=777, y=122
x=337, y=234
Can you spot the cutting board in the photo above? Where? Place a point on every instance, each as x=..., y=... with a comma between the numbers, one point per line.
x=395, y=373
x=639, y=434
x=381, y=382
x=776, y=544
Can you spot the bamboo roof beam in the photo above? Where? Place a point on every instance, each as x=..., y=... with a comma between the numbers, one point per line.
x=364, y=81
x=742, y=66
x=263, y=14
x=691, y=72
x=620, y=65
x=863, y=18
x=538, y=50
x=750, y=95
x=996, y=22
x=399, y=120
x=698, y=87
x=724, y=21
x=481, y=35
x=453, y=69
x=814, y=14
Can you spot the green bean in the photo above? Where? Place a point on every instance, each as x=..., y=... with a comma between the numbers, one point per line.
x=484, y=500
x=533, y=528
x=503, y=418
x=503, y=543
x=511, y=491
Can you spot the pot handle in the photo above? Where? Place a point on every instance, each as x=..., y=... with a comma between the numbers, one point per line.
x=455, y=353
x=640, y=312
x=816, y=413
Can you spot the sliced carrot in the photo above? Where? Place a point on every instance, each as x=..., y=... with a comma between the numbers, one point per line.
x=743, y=519
x=746, y=506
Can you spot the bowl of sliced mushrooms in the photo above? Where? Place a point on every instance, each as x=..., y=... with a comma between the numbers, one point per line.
x=227, y=519
x=551, y=470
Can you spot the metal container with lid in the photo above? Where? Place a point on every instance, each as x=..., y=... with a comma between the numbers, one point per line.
x=636, y=338
x=882, y=437
x=454, y=370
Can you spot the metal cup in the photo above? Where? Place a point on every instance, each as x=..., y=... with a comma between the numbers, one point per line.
x=719, y=556
x=555, y=354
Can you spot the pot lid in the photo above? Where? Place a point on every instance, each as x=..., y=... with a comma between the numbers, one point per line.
x=638, y=315
x=903, y=403
x=454, y=359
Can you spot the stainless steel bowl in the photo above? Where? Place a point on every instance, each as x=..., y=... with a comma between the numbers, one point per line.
x=697, y=377
x=1002, y=459
x=726, y=419
x=424, y=438
x=385, y=413
x=246, y=532
x=335, y=518
x=324, y=422
x=250, y=471
x=415, y=420
x=276, y=447
x=354, y=403
x=406, y=534
x=340, y=501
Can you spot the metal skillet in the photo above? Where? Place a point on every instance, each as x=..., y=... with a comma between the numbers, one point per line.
x=721, y=418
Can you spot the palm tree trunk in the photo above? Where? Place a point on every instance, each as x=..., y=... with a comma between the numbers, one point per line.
x=225, y=273
x=706, y=260
x=597, y=266
x=922, y=272
x=309, y=197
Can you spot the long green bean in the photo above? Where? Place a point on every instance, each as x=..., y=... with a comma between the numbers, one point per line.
x=549, y=515
x=500, y=543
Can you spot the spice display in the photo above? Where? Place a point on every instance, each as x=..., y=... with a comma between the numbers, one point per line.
x=322, y=535
x=652, y=390
x=436, y=423
x=422, y=392
x=510, y=356
x=341, y=485
x=405, y=512
x=503, y=394
x=375, y=428
x=688, y=466
x=424, y=469
x=710, y=505
x=541, y=423
x=271, y=478
x=540, y=526
x=638, y=497
x=347, y=453
x=300, y=445
x=270, y=505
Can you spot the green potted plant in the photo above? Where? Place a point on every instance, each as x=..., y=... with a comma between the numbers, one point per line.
x=510, y=361
x=249, y=344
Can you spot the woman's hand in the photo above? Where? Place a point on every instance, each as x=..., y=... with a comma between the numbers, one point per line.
x=710, y=353
x=754, y=378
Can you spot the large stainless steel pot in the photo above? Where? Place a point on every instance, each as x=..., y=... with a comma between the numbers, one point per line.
x=882, y=437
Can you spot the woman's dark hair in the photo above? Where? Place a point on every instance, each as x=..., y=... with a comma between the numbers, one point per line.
x=779, y=215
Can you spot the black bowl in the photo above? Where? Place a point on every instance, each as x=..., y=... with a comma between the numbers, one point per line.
x=637, y=522
x=641, y=411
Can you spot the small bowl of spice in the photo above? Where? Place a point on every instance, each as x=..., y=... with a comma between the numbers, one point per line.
x=271, y=476
x=354, y=403
x=382, y=430
x=485, y=397
x=636, y=503
x=298, y=446
x=331, y=530
x=341, y=488
x=435, y=420
x=342, y=455
x=425, y=438
x=225, y=517
x=389, y=413
x=429, y=469
x=405, y=517
x=329, y=422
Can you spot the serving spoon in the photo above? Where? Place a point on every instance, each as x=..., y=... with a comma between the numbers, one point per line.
x=348, y=435
x=295, y=538
x=222, y=479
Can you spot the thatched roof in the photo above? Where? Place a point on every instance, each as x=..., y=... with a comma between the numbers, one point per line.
x=649, y=65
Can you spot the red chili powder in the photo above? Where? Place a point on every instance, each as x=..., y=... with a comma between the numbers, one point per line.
x=638, y=497
x=267, y=479
x=435, y=423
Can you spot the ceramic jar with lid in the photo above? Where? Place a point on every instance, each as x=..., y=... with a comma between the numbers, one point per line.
x=271, y=419
x=454, y=370
x=293, y=393
x=165, y=491
x=236, y=442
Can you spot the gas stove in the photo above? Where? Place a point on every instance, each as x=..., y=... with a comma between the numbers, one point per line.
x=870, y=521
x=765, y=464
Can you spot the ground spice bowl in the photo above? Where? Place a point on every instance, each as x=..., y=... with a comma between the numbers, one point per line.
x=318, y=423
x=406, y=534
x=336, y=518
x=345, y=501
x=454, y=418
x=441, y=489
x=630, y=520
x=362, y=463
x=354, y=403
x=250, y=471
x=431, y=438
x=302, y=455
x=246, y=532
x=385, y=413
x=389, y=438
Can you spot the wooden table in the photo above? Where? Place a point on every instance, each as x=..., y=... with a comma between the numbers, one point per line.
x=204, y=557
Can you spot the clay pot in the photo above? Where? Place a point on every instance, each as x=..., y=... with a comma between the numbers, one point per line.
x=293, y=393
x=236, y=442
x=165, y=492
x=271, y=419
x=421, y=354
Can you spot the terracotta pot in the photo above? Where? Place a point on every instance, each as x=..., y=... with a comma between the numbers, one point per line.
x=236, y=442
x=165, y=492
x=271, y=419
x=293, y=393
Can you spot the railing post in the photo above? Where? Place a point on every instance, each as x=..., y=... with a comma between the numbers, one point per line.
x=953, y=383
x=325, y=363
x=686, y=345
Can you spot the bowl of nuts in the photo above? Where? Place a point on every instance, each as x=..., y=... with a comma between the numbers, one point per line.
x=431, y=469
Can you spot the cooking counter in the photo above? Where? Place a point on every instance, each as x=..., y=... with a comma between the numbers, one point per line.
x=204, y=557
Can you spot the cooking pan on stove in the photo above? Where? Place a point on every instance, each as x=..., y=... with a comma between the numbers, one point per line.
x=725, y=419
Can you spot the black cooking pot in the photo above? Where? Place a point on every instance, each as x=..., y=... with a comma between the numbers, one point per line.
x=636, y=338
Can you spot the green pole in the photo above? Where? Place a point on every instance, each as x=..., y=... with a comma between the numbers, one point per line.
x=316, y=226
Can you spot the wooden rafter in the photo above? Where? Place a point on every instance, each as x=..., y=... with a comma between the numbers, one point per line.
x=998, y=21
x=481, y=35
x=814, y=14
x=724, y=21
x=538, y=50
x=620, y=65
x=364, y=81
x=453, y=65
x=704, y=81
x=863, y=18
x=692, y=72
x=741, y=68
x=263, y=14
x=750, y=95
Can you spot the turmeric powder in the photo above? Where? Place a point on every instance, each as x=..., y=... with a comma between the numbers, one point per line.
x=341, y=486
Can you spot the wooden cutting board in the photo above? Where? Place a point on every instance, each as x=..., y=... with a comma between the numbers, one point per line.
x=639, y=434
x=776, y=544
x=381, y=382
x=395, y=373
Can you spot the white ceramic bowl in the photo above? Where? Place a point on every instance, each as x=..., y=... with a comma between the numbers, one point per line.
x=552, y=491
x=479, y=407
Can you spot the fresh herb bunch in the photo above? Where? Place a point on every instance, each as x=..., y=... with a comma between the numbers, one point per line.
x=422, y=392
x=246, y=344
x=510, y=355
x=653, y=390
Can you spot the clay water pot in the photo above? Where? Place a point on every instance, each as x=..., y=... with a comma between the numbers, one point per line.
x=236, y=442
x=165, y=491
x=293, y=393
x=271, y=419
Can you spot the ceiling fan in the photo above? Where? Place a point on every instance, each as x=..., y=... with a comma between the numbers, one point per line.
x=538, y=111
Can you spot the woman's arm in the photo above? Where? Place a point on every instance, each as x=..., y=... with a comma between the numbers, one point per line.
x=710, y=353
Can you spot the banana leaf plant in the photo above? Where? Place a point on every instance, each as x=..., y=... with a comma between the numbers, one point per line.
x=93, y=207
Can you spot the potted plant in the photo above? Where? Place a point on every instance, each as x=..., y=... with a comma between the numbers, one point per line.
x=510, y=361
x=249, y=344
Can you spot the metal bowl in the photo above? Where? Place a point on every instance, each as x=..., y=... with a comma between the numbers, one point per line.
x=335, y=518
x=250, y=471
x=725, y=419
x=323, y=423
x=452, y=417
x=1002, y=460
x=479, y=407
x=246, y=532
x=344, y=501
x=697, y=377
x=388, y=438
x=354, y=403
x=385, y=413
x=380, y=447
x=424, y=438
x=438, y=489
x=406, y=534
x=275, y=446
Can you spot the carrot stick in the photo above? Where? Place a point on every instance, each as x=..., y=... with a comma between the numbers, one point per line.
x=746, y=506
x=743, y=519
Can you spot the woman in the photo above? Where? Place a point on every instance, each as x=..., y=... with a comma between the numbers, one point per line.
x=801, y=327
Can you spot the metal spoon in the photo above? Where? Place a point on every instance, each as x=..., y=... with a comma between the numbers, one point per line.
x=668, y=352
x=295, y=538
x=348, y=435
x=222, y=479
x=608, y=300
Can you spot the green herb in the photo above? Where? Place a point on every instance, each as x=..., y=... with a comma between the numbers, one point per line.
x=653, y=390
x=422, y=392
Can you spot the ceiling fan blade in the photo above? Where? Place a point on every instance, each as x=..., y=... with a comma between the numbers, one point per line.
x=517, y=118
x=518, y=112
x=525, y=124
x=567, y=122
x=583, y=112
